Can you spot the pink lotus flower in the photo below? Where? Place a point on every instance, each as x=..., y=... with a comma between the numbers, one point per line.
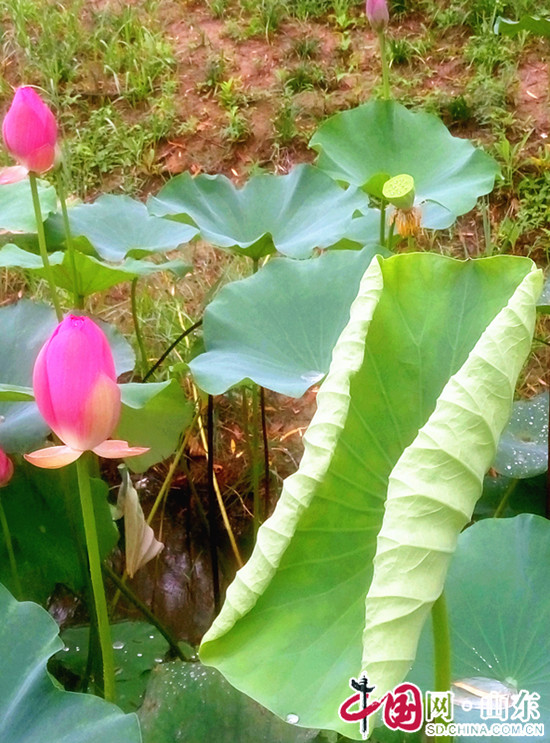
x=30, y=131
x=378, y=14
x=6, y=468
x=76, y=392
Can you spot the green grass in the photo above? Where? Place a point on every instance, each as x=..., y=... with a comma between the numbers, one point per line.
x=101, y=72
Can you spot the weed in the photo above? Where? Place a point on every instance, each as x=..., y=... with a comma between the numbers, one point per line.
x=230, y=93
x=509, y=158
x=489, y=51
x=215, y=73
x=267, y=18
x=218, y=8
x=402, y=51
x=304, y=76
x=284, y=122
x=307, y=47
x=238, y=128
x=459, y=110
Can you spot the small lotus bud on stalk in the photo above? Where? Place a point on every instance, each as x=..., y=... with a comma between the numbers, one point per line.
x=30, y=131
x=379, y=17
x=6, y=469
x=378, y=14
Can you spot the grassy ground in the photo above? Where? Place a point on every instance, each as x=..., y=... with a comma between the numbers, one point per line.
x=147, y=89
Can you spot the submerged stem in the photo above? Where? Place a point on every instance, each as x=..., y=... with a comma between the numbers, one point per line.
x=94, y=559
x=42, y=245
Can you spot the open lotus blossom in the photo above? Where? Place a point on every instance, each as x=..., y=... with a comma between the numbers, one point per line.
x=378, y=14
x=30, y=133
x=76, y=392
x=6, y=468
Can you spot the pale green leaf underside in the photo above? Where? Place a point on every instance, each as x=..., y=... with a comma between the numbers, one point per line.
x=420, y=386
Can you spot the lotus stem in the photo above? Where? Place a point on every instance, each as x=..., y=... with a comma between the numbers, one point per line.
x=442, y=651
x=266, y=452
x=98, y=589
x=78, y=297
x=383, y=222
x=147, y=613
x=42, y=245
x=386, y=92
x=18, y=591
x=504, y=500
x=212, y=523
x=137, y=328
x=171, y=347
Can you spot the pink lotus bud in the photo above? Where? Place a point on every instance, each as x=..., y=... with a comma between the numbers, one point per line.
x=378, y=14
x=6, y=469
x=30, y=131
x=76, y=392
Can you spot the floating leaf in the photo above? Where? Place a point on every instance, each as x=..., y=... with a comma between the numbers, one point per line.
x=384, y=136
x=187, y=702
x=538, y=26
x=16, y=207
x=523, y=447
x=280, y=338
x=138, y=648
x=118, y=225
x=498, y=611
x=293, y=213
x=346, y=570
x=153, y=415
x=141, y=544
x=32, y=708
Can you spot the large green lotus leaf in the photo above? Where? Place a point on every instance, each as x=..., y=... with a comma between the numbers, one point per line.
x=523, y=447
x=32, y=708
x=92, y=275
x=538, y=26
x=138, y=647
x=292, y=213
x=43, y=513
x=191, y=703
x=118, y=225
x=384, y=136
x=16, y=207
x=279, y=326
x=24, y=328
x=153, y=415
x=346, y=570
x=498, y=599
